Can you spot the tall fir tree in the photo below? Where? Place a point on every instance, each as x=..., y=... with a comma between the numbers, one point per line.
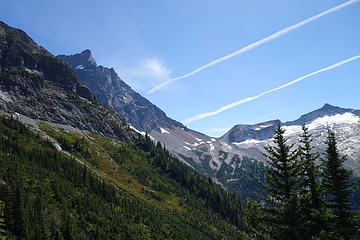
x=310, y=197
x=337, y=188
x=18, y=211
x=282, y=186
x=255, y=222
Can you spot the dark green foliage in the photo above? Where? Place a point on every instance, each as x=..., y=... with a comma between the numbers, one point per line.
x=243, y=180
x=49, y=195
x=304, y=200
x=74, y=146
x=213, y=195
x=255, y=222
x=282, y=185
x=310, y=200
x=337, y=188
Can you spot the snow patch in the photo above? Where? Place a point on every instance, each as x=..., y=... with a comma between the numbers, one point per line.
x=262, y=126
x=187, y=148
x=248, y=141
x=321, y=122
x=163, y=131
x=292, y=130
x=211, y=147
x=226, y=146
x=80, y=67
x=346, y=118
x=142, y=133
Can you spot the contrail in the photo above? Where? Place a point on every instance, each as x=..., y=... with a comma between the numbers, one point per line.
x=255, y=44
x=245, y=100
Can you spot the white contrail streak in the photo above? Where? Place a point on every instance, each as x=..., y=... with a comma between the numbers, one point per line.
x=255, y=44
x=245, y=100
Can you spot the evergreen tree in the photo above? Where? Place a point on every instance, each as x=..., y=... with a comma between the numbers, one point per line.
x=282, y=186
x=18, y=212
x=254, y=222
x=310, y=199
x=337, y=187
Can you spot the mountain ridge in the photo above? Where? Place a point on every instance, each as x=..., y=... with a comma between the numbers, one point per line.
x=35, y=83
x=115, y=94
x=264, y=130
x=203, y=153
x=82, y=171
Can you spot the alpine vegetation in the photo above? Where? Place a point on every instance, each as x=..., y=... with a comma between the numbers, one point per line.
x=307, y=195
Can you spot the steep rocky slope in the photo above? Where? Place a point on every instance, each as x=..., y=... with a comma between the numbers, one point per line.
x=82, y=171
x=37, y=84
x=143, y=116
x=206, y=154
x=115, y=94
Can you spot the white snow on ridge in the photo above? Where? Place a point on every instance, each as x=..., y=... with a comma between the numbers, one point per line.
x=346, y=118
x=263, y=126
x=321, y=122
x=248, y=141
x=198, y=139
x=142, y=133
x=80, y=66
x=292, y=130
x=211, y=147
x=226, y=146
x=187, y=148
x=163, y=130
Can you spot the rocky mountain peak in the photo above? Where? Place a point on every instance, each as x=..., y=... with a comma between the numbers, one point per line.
x=80, y=60
x=36, y=84
x=242, y=132
x=327, y=106
x=115, y=94
x=16, y=46
x=326, y=110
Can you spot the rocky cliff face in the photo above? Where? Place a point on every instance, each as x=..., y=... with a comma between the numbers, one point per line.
x=115, y=94
x=37, y=84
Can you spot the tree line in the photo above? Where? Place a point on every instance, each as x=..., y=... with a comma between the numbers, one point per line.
x=45, y=194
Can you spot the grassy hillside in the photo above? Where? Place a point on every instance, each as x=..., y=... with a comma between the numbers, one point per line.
x=104, y=189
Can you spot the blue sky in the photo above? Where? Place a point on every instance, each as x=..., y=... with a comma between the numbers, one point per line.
x=148, y=42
